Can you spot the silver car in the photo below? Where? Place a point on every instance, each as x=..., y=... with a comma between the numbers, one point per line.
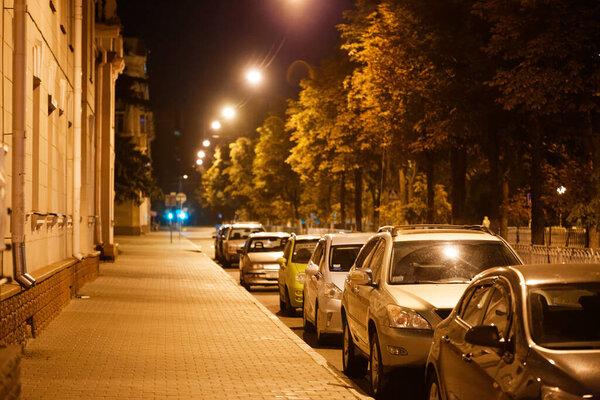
x=325, y=275
x=404, y=282
x=234, y=238
x=258, y=258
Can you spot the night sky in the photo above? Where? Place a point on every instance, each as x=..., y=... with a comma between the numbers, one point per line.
x=199, y=50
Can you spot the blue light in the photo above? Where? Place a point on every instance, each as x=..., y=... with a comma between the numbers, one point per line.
x=170, y=216
x=184, y=215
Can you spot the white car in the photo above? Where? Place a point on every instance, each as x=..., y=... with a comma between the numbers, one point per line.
x=234, y=238
x=404, y=282
x=258, y=258
x=325, y=274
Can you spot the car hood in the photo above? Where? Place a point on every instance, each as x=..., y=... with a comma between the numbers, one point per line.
x=270, y=257
x=573, y=371
x=427, y=296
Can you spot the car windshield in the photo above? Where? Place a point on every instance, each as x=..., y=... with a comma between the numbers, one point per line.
x=343, y=256
x=243, y=233
x=303, y=249
x=446, y=261
x=565, y=316
x=266, y=244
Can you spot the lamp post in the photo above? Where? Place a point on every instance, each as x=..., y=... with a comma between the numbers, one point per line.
x=560, y=190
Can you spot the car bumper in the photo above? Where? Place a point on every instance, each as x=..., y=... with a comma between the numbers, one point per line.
x=296, y=292
x=331, y=315
x=404, y=347
x=265, y=277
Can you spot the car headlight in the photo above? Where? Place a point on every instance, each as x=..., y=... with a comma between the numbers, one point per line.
x=554, y=393
x=332, y=291
x=300, y=276
x=401, y=317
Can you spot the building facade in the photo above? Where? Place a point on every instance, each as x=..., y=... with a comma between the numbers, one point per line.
x=135, y=123
x=60, y=61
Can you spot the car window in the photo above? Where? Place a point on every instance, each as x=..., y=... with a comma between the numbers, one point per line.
x=498, y=311
x=266, y=244
x=287, y=249
x=303, y=250
x=365, y=252
x=375, y=262
x=440, y=261
x=342, y=257
x=476, y=305
x=243, y=233
x=317, y=253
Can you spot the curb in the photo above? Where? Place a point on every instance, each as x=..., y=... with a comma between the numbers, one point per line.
x=319, y=359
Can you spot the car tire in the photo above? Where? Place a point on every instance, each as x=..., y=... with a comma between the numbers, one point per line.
x=321, y=337
x=353, y=365
x=433, y=388
x=243, y=281
x=377, y=378
x=306, y=324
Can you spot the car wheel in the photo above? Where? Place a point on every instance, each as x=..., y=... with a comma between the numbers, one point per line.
x=376, y=368
x=354, y=366
x=433, y=388
x=306, y=324
x=243, y=281
x=320, y=335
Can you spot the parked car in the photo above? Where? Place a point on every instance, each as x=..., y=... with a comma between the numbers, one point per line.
x=219, y=237
x=234, y=238
x=521, y=332
x=404, y=282
x=258, y=258
x=296, y=254
x=325, y=275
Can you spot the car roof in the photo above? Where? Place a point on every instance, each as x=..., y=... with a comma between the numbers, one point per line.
x=542, y=274
x=348, y=238
x=246, y=225
x=307, y=237
x=268, y=234
x=443, y=234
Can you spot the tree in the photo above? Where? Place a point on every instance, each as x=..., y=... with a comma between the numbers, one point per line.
x=133, y=173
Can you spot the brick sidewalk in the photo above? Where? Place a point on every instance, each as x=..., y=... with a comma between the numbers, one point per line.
x=165, y=322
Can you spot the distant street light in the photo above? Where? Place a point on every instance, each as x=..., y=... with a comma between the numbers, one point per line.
x=206, y=143
x=201, y=154
x=561, y=189
x=254, y=77
x=228, y=112
x=199, y=162
x=216, y=125
x=185, y=177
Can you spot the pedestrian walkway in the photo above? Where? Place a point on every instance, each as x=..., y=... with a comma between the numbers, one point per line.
x=165, y=322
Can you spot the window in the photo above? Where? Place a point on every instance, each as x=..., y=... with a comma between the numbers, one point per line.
x=342, y=257
x=266, y=244
x=476, y=305
x=303, y=250
x=365, y=252
x=318, y=253
x=287, y=249
x=376, y=261
x=498, y=311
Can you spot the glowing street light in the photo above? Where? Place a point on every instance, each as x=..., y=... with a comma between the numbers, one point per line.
x=216, y=125
x=199, y=162
x=185, y=176
x=254, y=77
x=228, y=112
x=206, y=143
x=201, y=154
x=561, y=189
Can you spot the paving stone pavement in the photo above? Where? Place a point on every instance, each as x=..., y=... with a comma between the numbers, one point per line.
x=165, y=322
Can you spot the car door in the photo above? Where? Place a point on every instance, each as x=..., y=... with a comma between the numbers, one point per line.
x=351, y=292
x=364, y=292
x=311, y=284
x=455, y=360
x=283, y=267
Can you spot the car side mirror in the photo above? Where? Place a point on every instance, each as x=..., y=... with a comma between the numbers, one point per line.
x=281, y=261
x=484, y=335
x=311, y=270
x=360, y=277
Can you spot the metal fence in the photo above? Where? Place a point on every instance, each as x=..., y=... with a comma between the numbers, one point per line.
x=555, y=237
x=534, y=254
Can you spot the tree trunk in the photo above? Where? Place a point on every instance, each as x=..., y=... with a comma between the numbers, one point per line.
x=537, y=208
x=430, y=171
x=381, y=187
x=458, y=167
x=358, y=188
x=503, y=213
x=343, y=200
x=402, y=187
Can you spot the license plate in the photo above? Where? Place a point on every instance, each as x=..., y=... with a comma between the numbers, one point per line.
x=272, y=266
x=272, y=275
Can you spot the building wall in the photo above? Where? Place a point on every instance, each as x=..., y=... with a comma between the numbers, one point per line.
x=51, y=156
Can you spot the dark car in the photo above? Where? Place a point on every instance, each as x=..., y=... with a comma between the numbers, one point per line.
x=219, y=237
x=522, y=332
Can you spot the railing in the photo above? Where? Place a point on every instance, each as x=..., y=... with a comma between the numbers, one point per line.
x=534, y=254
x=555, y=237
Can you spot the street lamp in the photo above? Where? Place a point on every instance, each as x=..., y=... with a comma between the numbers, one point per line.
x=254, y=76
x=206, y=143
x=199, y=162
x=228, y=112
x=185, y=176
x=560, y=190
x=216, y=125
x=201, y=154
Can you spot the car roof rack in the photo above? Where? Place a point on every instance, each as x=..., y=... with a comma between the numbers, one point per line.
x=397, y=229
